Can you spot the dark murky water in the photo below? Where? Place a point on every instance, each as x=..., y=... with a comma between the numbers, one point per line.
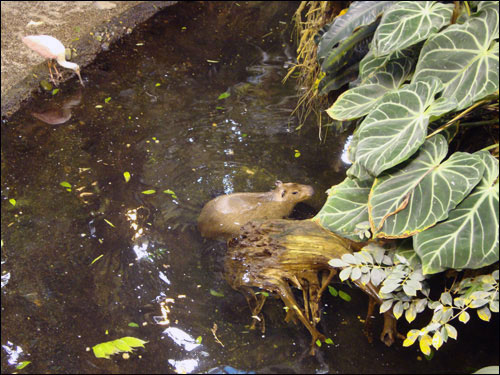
x=165, y=125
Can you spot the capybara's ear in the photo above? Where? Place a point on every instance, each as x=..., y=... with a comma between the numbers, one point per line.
x=278, y=183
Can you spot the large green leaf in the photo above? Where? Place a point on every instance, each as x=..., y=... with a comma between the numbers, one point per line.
x=371, y=64
x=469, y=238
x=345, y=208
x=464, y=57
x=360, y=100
x=360, y=13
x=409, y=22
x=397, y=127
x=422, y=192
x=346, y=53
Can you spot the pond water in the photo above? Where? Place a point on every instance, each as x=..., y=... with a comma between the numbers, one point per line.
x=81, y=262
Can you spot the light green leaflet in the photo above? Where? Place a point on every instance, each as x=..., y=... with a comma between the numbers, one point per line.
x=423, y=191
x=409, y=22
x=345, y=208
x=396, y=129
x=358, y=101
x=469, y=238
x=464, y=57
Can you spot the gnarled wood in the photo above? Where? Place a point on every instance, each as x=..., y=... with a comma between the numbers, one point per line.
x=277, y=254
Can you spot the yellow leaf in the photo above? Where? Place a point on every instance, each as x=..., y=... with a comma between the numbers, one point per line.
x=126, y=175
x=484, y=314
x=452, y=332
x=464, y=317
x=411, y=337
x=437, y=340
x=425, y=344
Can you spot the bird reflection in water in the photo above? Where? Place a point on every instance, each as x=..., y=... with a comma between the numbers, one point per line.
x=60, y=113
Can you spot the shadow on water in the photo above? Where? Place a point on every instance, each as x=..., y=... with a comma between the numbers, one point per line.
x=151, y=107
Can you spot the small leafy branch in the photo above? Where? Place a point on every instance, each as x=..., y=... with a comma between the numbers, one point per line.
x=402, y=286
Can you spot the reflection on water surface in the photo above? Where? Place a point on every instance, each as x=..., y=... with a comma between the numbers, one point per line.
x=85, y=253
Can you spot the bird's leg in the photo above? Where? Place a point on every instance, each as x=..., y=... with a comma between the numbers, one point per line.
x=59, y=75
x=50, y=72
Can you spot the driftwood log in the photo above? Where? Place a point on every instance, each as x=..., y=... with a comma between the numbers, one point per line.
x=276, y=255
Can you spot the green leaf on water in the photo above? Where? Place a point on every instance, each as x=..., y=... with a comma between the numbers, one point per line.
x=216, y=294
x=297, y=153
x=125, y=344
x=148, y=191
x=65, y=184
x=12, y=201
x=198, y=340
x=346, y=297
x=109, y=222
x=224, y=95
x=329, y=341
x=126, y=175
x=132, y=324
x=22, y=365
x=158, y=85
x=96, y=259
x=318, y=342
x=168, y=191
x=219, y=107
x=334, y=292
x=55, y=91
x=107, y=99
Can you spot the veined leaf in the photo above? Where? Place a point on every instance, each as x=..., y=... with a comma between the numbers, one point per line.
x=371, y=64
x=344, y=54
x=464, y=57
x=345, y=207
x=360, y=13
x=396, y=129
x=469, y=238
x=409, y=22
x=423, y=191
x=360, y=100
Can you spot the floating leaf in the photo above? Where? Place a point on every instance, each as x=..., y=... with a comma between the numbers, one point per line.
x=147, y=192
x=318, y=342
x=22, y=365
x=96, y=259
x=329, y=341
x=126, y=175
x=55, y=91
x=216, y=294
x=224, y=95
x=107, y=100
x=198, y=339
x=168, y=191
x=334, y=292
x=346, y=297
x=98, y=106
x=109, y=222
x=132, y=324
x=12, y=201
x=125, y=344
x=65, y=184
x=157, y=84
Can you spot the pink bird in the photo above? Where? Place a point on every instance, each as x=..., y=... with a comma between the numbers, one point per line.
x=51, y=48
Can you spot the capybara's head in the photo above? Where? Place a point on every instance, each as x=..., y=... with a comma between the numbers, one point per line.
x=292, y=192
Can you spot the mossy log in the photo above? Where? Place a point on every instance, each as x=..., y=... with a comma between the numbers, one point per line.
x=276, y=254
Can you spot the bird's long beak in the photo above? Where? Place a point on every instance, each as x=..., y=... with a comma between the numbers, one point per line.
x=79, y=76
